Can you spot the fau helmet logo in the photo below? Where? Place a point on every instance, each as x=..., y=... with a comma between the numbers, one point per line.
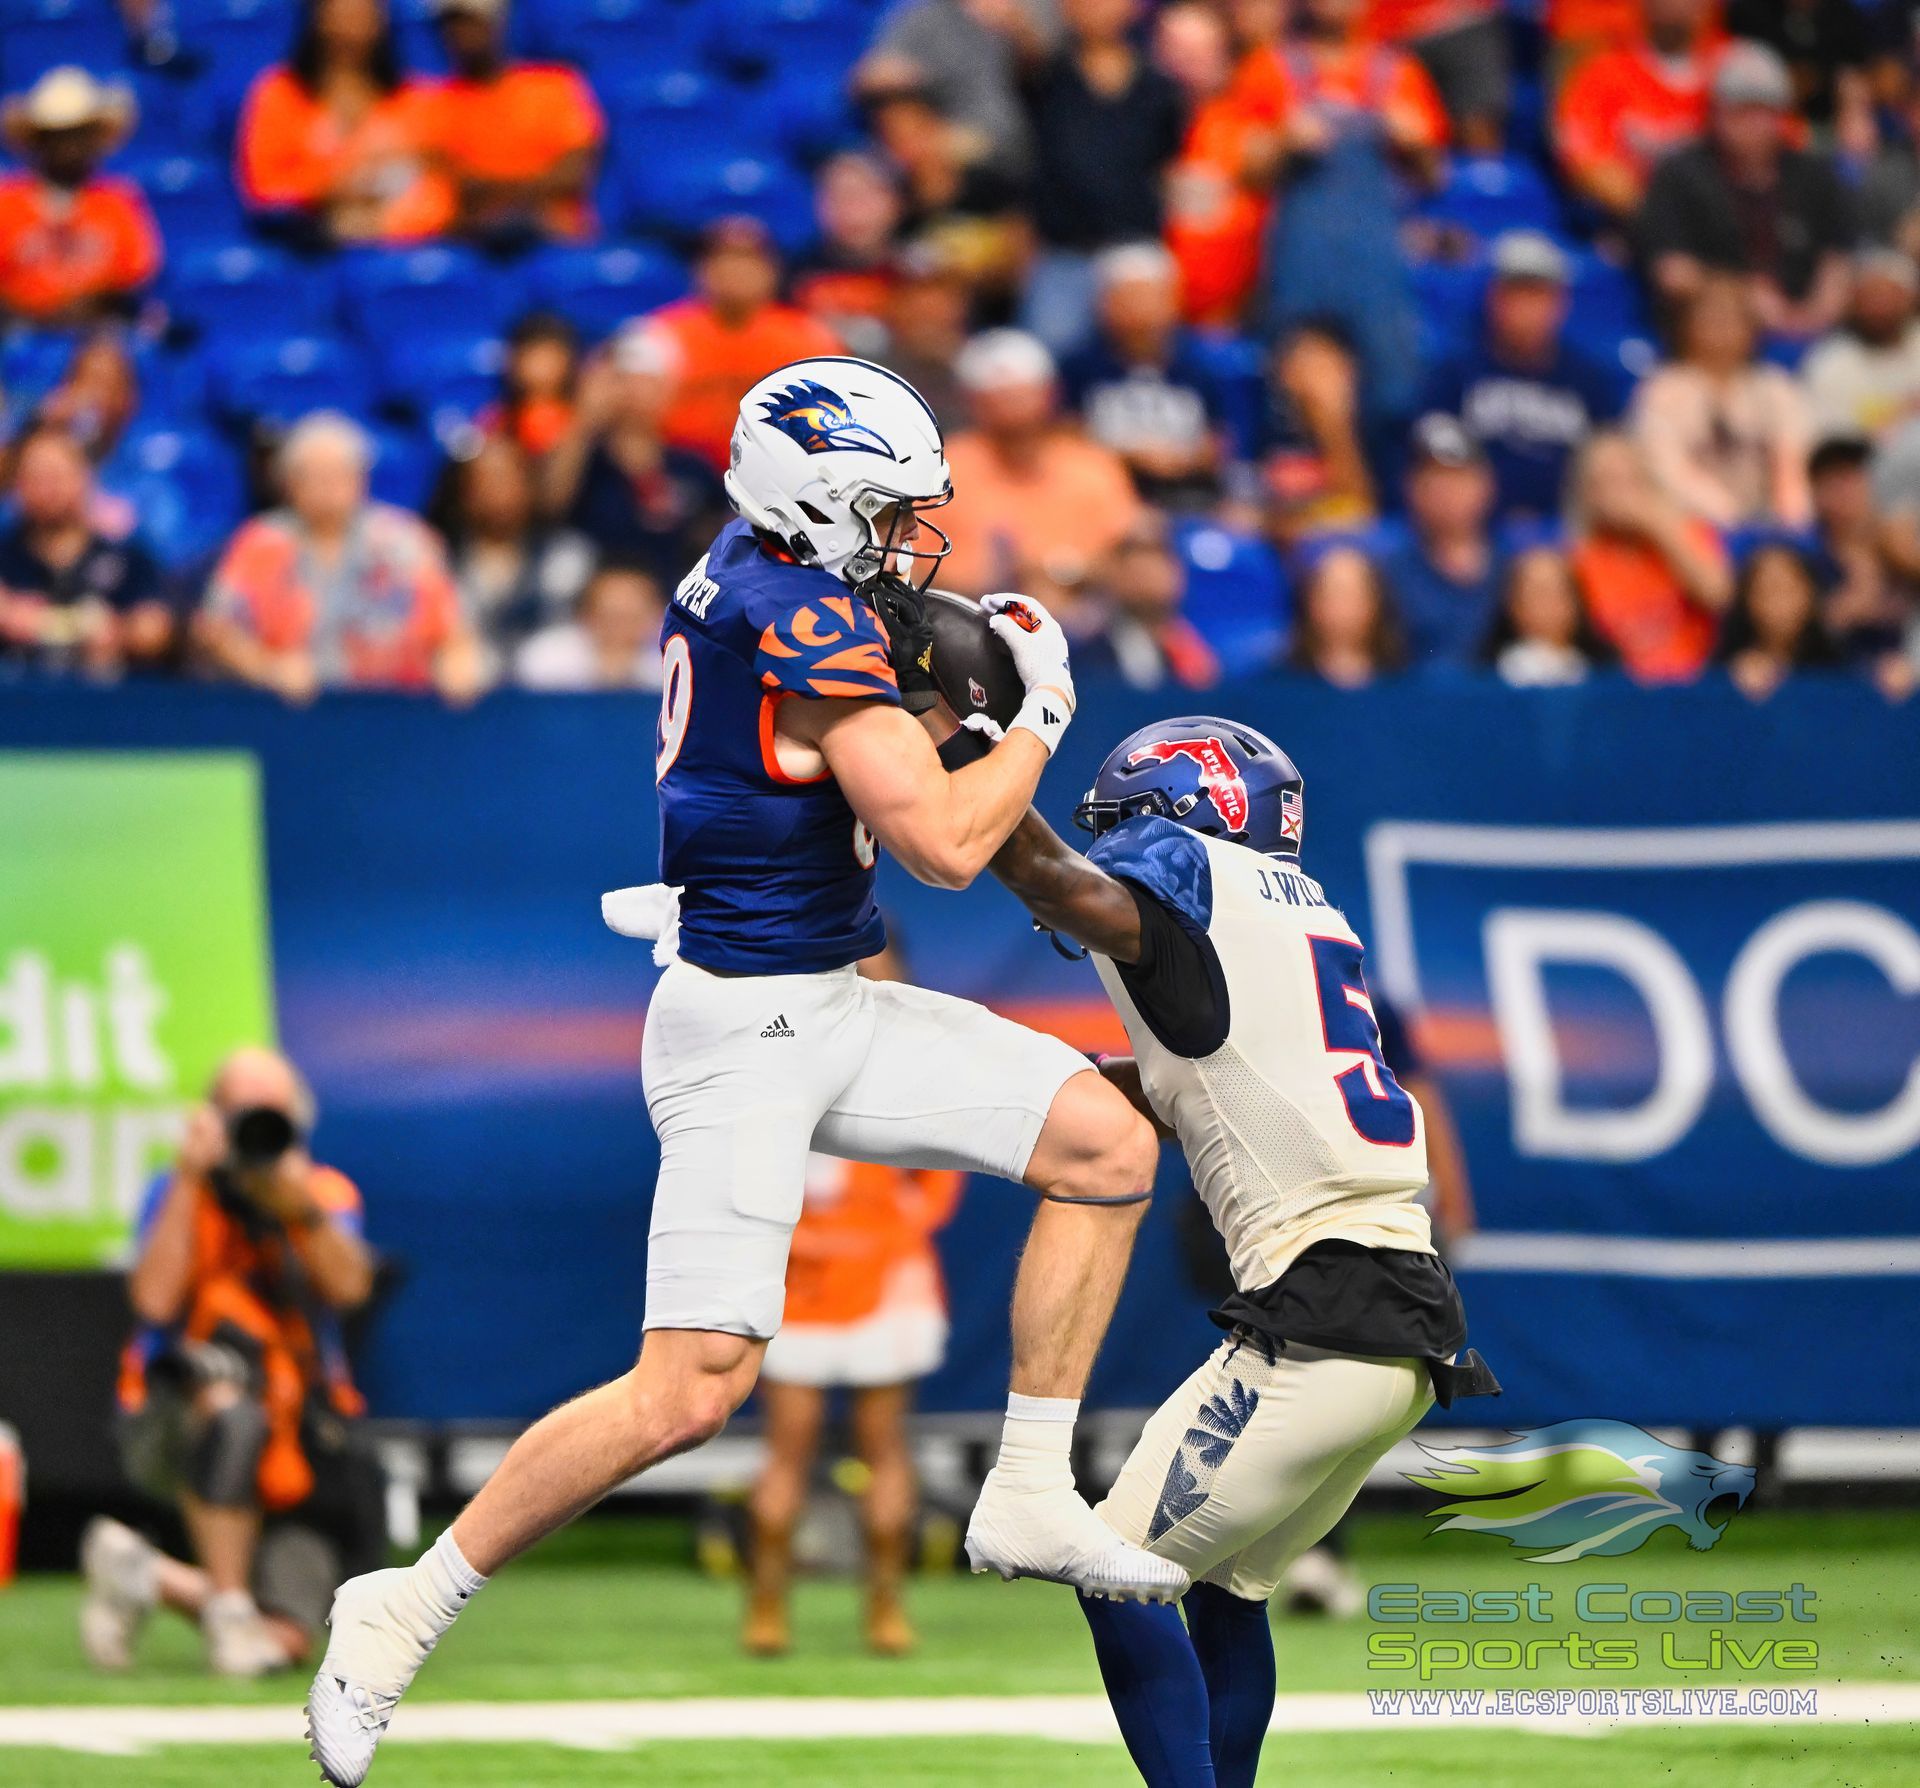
x=1219, y=775
x=821, y=421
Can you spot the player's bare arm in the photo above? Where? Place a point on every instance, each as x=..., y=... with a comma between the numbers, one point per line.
x=1067, y=894
x=944, y=828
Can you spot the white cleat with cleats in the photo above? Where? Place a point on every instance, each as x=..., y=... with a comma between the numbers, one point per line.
x=120, y=1569
x=1047, y=1531
x=377, y=1643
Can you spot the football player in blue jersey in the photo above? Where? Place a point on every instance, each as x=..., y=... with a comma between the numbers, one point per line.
x=796, y=657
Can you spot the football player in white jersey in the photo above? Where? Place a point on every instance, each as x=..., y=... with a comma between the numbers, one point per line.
x=1254, y=1044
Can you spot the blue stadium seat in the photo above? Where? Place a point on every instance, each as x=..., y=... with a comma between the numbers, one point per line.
x=1482, y=195
x=814, y=117
x=279, y=381
x=679, y=194
x=56, y=32
x=388, y=292
x=433, y=373
x=231, y=41
x=598, y=289
x=818, y=40
x=642, y=96
x=187, y=485
x=1238, y=369
x=177, y=117
x=406, y=461
x=1449, y=297
x=1236, y=593
x=173, y=387
x=242, y=290
x=192, y=198
x=610, y=35
x=31, y=362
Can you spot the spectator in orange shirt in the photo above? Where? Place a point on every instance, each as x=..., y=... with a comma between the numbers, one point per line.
x=338, y=141
x=520, y=141
x=75, y=244
x=1036, y=506
x=1627, y=106
x=731, y=332
x=1654, y=579
x=1351, y=122
x=1216, y=198
x=866, y=1309
x=333, y=590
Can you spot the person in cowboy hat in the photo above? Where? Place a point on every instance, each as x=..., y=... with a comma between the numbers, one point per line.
x=75, y=244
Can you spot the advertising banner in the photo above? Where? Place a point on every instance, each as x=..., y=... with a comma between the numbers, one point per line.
x=133, y=954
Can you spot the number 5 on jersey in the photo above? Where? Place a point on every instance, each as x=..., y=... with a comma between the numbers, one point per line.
x=1378, y=1107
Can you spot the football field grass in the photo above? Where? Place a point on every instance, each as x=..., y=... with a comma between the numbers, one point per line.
x=610, y=1613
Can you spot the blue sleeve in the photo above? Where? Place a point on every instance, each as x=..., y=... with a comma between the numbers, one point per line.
x=1161, y=859
x=826, y=642
x=151, y=1199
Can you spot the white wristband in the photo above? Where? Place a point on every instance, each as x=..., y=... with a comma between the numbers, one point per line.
x=1045, y=714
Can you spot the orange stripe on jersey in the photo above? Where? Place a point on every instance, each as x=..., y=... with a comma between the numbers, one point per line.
x=806, y=629
x=774, y=645
x=866, y=656
x=836, y=686
x=769, y=752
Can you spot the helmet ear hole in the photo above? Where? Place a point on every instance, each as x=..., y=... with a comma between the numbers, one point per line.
x=815, y=515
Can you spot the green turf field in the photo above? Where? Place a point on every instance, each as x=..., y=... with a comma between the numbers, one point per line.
x=610, y=1613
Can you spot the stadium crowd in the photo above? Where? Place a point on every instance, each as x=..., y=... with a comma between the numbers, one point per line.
x=357, y=347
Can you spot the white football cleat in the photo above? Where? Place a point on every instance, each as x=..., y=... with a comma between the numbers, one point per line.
x=122, y=1588
x=377, y=1643
x=1047, y=1531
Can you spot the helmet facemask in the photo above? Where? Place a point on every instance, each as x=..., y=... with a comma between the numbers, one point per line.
x=886, y=549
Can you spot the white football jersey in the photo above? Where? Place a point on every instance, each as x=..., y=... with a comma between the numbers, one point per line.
x=1294, y=1128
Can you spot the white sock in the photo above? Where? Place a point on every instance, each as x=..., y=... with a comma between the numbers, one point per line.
x=444, y=1581
x=1036, y=1445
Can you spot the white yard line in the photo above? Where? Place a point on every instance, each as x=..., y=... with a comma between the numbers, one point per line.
x=1073, y=1719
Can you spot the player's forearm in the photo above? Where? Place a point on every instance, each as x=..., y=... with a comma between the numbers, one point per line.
x=1066, y=893
x=985, y=802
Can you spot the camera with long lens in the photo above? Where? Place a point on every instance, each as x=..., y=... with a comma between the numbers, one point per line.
x=257, y=1136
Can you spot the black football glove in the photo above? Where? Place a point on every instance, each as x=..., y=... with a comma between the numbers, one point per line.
x=903, y=609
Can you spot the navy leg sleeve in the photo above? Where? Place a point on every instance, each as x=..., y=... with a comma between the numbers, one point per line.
x=1234, y=1645
x=1158, y=1693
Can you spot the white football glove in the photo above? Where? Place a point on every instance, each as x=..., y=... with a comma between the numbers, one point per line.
x=652, y=911
x=1039, y=651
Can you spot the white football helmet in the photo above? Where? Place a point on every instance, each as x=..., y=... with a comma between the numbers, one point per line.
x=835, y=457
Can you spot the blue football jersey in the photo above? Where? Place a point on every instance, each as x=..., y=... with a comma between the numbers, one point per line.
x=777, y=873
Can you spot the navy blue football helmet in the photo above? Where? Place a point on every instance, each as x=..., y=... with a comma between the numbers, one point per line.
x=1216, y=776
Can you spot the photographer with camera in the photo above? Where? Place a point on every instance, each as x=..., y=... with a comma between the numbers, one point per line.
x=236, y=1404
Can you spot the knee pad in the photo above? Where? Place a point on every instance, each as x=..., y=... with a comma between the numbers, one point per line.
x=223, y=1462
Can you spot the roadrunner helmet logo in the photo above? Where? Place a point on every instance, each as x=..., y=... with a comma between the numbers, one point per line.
x=1220, y=777
x=821, y=421
x=1585, y=1489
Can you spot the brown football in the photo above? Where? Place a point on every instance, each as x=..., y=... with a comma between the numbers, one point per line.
x=972, y=668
